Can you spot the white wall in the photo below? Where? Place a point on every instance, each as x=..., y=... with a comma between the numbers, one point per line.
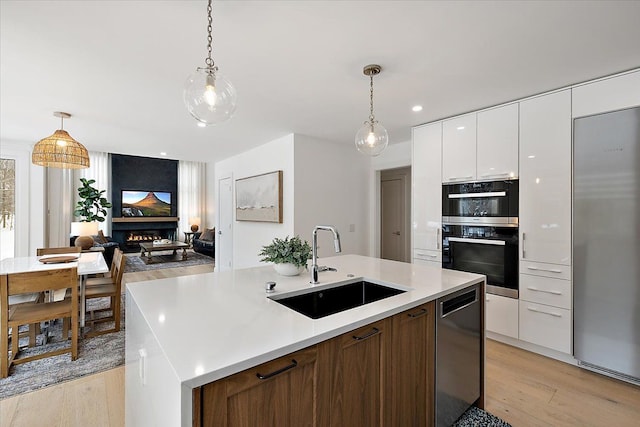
x=394, y=156
x=331, y=188
x=249, y=237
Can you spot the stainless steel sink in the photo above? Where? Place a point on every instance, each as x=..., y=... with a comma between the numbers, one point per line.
x=324, y=302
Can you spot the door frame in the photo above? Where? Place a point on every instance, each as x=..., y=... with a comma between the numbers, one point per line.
x=218, y=211
x=377, y=211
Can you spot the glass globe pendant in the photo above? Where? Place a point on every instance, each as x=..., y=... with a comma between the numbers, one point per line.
x=372, y=138
x=209, y=97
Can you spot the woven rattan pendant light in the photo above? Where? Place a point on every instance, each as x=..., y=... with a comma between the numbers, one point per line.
x=60, y=150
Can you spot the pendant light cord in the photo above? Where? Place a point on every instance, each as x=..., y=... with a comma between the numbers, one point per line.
x=209, y=60
x=371, y=117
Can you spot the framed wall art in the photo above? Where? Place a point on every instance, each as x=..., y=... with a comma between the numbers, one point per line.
x=259, y=198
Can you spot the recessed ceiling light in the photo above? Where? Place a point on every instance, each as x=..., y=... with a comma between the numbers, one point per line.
x=460, y=128
x=416, y=108
x=162, y=153
x=202, y=125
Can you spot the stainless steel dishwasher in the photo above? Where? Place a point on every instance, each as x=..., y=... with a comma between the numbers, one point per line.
x=458, y=354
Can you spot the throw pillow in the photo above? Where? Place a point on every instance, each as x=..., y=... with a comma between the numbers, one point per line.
x=208, y=234
x=101, y=238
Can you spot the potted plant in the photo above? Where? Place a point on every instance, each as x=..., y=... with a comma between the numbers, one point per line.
x=92, y=204
x=288, y=255
x=92, y=207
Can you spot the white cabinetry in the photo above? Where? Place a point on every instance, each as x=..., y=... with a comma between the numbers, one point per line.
x=501, y=315
x=497, y=144
x=545, y=221
x=545, y=325
x=545, y=178
x=609, y=94
x=459, y=149
x=426, y=191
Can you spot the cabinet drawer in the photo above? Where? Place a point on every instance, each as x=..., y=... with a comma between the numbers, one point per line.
x=546, y=326
x=426, y=255
x=501, y=315
x=435, y=264
x=271, y=370
x=545, y=290
x=546, y=270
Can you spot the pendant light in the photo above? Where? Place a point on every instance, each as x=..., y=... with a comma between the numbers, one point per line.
x=60, y=150
x=209, y=97
x=372, y=138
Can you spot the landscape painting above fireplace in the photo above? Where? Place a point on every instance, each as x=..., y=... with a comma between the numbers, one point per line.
x=146, y=203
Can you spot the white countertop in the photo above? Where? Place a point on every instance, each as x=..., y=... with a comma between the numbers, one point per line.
x=213, y=325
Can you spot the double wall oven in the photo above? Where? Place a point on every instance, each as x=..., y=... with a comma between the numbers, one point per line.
x=480, y=232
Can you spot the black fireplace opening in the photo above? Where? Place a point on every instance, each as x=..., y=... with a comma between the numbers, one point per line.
x=130, y=239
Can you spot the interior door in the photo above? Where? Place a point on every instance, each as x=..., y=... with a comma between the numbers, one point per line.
x=392, y=219
x=224, y=239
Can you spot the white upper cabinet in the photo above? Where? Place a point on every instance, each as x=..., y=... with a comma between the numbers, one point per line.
x=459, y=149
x=606, y=95
x=498, y=143
x=545, y=178
x=426, y=190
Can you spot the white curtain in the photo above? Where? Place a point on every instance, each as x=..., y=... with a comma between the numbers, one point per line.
x=60, y=203
x=100, y=170
x=191, y=195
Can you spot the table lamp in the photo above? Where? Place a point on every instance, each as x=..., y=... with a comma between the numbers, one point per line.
x=84, y=231
x=195, y=223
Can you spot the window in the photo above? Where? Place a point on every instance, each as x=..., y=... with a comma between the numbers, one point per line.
x=7, y=207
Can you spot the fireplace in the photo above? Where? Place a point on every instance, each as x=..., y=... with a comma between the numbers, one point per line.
x=137, y=236
x=130, y=232
x=133, y=238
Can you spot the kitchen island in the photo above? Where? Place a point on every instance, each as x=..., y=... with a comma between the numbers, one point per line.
x=187, y=333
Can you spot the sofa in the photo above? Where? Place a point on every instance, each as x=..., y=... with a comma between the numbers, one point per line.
x=102, y=241
x=204, y=242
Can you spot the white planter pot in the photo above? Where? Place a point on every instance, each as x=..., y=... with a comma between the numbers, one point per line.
x=287, y=269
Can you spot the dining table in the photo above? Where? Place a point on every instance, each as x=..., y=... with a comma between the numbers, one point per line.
x=87, y=263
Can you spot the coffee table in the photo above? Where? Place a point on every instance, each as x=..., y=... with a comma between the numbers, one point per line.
x=149, y=247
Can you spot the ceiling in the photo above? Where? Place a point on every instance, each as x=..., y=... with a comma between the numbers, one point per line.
x=119, y=67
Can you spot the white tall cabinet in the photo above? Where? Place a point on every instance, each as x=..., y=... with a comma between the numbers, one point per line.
x=545, y=221
x=426, y=194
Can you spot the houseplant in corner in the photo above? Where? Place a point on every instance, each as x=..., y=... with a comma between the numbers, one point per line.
x=288, y=255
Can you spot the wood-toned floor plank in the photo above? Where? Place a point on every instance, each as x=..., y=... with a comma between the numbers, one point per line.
x=78, y=410
x=519, y=383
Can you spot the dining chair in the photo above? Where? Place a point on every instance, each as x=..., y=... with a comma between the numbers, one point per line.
x=29, y=313
x=56, y=251
x=33, y=329
x=117, y=253
x=104, y=287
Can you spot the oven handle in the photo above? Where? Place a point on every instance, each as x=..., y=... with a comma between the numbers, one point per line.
x=477, y=195
x=479, y=241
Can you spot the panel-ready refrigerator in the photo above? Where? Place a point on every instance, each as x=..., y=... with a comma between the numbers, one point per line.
x=606, y=243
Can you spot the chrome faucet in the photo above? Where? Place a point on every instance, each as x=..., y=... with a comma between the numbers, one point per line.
x=336, y=244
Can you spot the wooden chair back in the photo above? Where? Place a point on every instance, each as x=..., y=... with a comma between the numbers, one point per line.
x=25, y=314
x=55, y=251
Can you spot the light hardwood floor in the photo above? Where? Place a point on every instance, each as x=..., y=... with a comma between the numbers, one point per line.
x=523, y=388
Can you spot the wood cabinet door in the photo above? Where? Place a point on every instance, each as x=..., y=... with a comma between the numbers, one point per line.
x=411, y=363
x=277, y=393
x=354, y=364
x=426, y=189
x=459, y=149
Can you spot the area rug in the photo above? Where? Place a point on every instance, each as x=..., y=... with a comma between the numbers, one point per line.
x=95, y=354
x=164, y=260
x=476, y=417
